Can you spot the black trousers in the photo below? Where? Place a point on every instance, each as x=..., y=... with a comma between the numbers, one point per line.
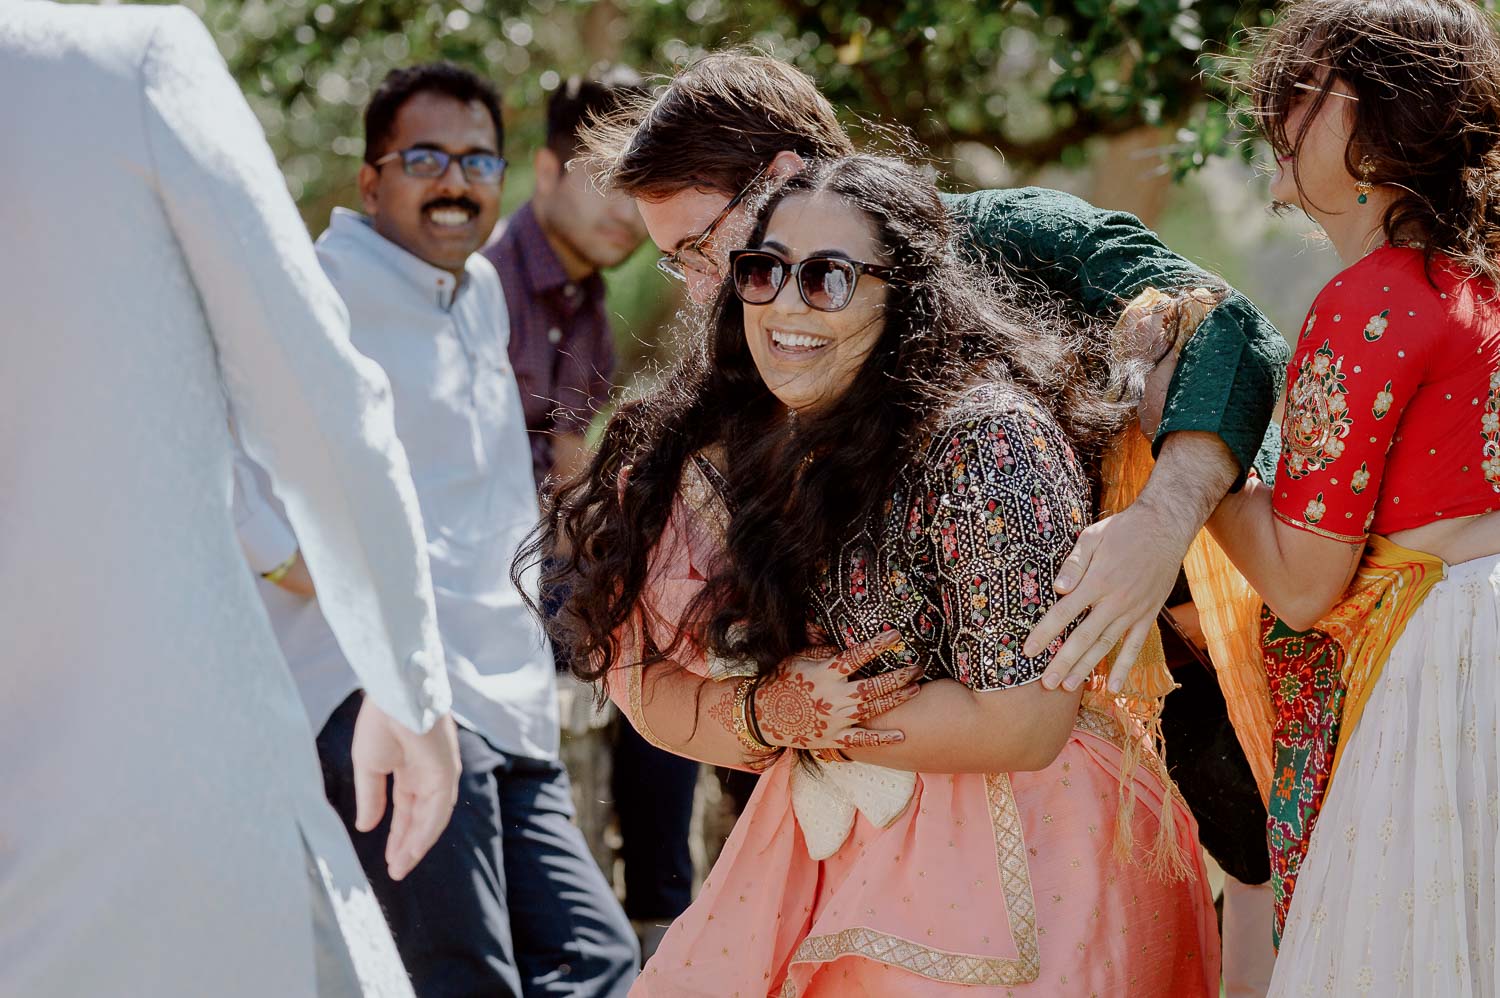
x=653, y=793
x=1205, y=759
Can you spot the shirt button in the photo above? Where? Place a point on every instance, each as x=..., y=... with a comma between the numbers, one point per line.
x=554, y=335
x=570, y=290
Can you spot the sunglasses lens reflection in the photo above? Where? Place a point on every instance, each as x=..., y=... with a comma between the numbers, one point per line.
x=826, y=284
x=757, y=278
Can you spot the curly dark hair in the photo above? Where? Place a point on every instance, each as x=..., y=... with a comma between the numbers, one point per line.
x=1427, y=122
x=796, y=487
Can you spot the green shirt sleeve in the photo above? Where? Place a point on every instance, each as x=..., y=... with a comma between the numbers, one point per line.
x=1231, y=372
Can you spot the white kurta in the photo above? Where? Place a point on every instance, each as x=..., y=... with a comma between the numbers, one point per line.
x=160, y=802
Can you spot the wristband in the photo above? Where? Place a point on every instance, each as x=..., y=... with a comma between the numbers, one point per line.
x=278, y=573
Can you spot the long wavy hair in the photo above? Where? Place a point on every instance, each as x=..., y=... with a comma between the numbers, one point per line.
x=1427, y=122
x=796, y=486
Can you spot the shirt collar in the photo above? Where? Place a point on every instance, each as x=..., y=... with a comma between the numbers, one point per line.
x=544, y=271
x=435, y=283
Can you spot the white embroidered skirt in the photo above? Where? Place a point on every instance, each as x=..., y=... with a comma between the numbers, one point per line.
x=1398, y=893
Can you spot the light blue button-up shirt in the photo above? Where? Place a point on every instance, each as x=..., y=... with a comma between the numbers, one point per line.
x=459, y=416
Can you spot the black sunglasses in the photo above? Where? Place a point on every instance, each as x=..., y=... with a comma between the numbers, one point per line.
x=427, y=163
x=826, y=283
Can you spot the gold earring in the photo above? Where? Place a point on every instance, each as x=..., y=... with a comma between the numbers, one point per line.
x=1363, y=187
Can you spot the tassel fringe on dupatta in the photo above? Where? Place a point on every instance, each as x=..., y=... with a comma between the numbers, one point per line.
x=1229, y=609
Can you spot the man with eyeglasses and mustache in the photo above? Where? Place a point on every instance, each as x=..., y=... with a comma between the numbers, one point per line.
x=509, y=901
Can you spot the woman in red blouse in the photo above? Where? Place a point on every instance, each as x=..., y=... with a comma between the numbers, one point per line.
x=1373, y=551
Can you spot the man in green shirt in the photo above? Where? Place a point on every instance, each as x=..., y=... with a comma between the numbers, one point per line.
x=696, y=158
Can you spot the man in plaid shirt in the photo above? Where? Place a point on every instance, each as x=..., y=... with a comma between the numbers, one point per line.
x=549, y=255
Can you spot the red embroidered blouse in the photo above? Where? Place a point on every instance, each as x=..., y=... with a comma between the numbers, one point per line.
x=1393, y=412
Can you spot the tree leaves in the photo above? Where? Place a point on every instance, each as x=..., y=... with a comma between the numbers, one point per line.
x=1032, y=79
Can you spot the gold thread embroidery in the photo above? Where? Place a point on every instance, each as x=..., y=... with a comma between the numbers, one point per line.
x=942, y=965
x=1015, y=880
x=1317, y=415
x=637, y=711
x=1320, y=531
x=702, y=498
x=1101, y=724
x=1490, y=430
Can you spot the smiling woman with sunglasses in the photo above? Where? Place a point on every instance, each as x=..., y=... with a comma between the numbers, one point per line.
x=878, y=455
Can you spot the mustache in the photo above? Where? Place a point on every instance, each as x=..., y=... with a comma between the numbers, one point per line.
x=463, y=203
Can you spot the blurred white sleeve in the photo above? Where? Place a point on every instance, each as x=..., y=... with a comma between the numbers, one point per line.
x=309, y=408
x=265, y=536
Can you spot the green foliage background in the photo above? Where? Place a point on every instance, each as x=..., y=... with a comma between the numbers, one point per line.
x=1034, y=80
x=1043, y=83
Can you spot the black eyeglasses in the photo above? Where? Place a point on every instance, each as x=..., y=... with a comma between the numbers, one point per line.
x=826, y=283
x=694, y=256
x=478, y=167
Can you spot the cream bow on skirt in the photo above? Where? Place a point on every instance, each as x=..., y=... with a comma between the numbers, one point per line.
x=825, y=800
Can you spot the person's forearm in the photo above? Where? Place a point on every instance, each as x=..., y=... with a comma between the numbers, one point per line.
x=1193, y=472
x=1300, y=577
x=691, y=716
x=953, y=729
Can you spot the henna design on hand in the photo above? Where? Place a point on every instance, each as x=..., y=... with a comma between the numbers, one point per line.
x=789, y=711
x=865, y=738
x=879, y=705
x=879, y=686
x=721, y=708
x=852, y=659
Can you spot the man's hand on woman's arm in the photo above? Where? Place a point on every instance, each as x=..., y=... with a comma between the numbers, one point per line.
x=1123, y=568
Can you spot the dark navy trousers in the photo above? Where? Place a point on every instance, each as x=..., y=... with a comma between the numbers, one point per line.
x=508, y=902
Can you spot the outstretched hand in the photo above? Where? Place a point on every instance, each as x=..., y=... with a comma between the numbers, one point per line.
x=815, y=701
x=424, y=772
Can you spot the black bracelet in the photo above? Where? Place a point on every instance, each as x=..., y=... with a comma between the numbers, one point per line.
x=750, y=716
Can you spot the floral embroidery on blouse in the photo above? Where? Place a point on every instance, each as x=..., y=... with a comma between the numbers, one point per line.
x=1393, y=422
x=1317, y=419
x=1490, y=430
x=962, y=556
x=1361, y=479
x=1315, y=510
